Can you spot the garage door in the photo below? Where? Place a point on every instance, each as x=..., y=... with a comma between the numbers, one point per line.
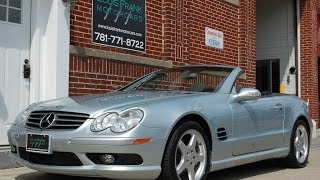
x=14, y=51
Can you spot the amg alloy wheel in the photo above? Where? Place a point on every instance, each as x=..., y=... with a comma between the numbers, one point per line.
x=299, y=146
x=187, y=154
x=191, y=155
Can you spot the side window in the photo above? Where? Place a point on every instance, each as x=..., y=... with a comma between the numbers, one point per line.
x=11, y=11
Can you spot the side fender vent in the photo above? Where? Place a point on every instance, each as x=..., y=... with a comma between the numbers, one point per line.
x=222, y=134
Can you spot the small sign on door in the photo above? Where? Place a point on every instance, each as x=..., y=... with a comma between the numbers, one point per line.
x=214, y=38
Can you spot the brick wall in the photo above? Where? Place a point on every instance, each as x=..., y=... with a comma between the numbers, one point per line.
x=309, y=62
x=175, y=32
x=96, y=75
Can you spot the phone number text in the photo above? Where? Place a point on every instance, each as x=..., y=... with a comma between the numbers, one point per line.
x=111, y=39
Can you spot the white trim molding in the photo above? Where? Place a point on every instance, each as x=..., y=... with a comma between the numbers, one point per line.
x=49, y=54
x=298, y=47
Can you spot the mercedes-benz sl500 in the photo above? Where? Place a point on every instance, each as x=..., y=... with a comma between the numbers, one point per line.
x=176, y=123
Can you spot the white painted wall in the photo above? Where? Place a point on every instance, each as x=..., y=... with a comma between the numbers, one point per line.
x=276, y=37
x=49, y=56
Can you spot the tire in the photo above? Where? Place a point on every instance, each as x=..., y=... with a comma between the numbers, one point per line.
x=299, y=146
x=181, y=155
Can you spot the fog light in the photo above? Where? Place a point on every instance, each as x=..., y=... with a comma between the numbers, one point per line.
x=107, y=159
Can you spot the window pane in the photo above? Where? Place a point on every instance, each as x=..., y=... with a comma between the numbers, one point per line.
x=14, y=16
x=15, y=3
x=3, y=13
x=3, y=2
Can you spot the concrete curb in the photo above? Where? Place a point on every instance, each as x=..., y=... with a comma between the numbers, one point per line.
x=315, y=131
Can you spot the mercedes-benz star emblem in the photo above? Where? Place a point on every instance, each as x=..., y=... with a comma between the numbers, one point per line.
x=47, y=121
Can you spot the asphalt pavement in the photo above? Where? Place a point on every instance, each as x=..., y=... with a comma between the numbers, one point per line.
x=272, y=170
x=5, y=162
x=264, y=170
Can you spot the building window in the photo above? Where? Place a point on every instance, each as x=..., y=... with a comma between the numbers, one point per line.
x=11, y=11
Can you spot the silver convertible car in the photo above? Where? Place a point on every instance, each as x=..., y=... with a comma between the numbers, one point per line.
x=177, y=123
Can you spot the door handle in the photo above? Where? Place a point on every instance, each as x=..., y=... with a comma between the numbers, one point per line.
x=26, y=69
x=278, y=107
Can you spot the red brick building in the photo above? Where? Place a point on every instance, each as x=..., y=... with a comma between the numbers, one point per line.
x=175, y=36
x=309, y=9
x=274, y=41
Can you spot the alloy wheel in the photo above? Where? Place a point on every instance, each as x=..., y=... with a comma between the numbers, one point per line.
x=301, y=143
x=191, y=156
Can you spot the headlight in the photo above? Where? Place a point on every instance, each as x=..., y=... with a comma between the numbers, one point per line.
x=23, y=115
x=122, y=122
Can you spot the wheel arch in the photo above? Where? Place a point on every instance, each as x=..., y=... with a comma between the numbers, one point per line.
x=195, y=118
x=191, y=117
x=291, y=160
x=305, y=120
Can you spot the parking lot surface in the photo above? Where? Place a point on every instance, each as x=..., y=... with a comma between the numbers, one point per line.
x=264, y=170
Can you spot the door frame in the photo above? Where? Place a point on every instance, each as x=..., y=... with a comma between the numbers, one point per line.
x=49, y=52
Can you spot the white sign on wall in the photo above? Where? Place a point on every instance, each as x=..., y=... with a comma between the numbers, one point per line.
x=214, y=38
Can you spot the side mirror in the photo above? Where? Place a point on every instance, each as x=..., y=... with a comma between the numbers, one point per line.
x=247, y=94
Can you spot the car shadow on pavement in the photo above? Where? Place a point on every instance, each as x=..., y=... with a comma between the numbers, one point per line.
x=46, y=176
x=236, y=173
x=247, y=171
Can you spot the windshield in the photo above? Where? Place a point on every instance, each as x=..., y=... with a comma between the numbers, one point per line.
x=194, y=79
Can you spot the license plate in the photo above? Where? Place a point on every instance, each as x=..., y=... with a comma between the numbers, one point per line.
x=38, y=143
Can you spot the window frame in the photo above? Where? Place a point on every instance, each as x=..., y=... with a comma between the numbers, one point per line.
x=7, y=6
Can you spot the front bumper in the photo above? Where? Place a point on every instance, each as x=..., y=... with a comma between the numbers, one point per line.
x=114, y=172
x=151, y=154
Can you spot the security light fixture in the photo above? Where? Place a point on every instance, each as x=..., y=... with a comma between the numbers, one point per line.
x=292, y=70
x=70, y=3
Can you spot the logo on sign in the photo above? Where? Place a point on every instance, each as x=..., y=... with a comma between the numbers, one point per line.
x=214, y=42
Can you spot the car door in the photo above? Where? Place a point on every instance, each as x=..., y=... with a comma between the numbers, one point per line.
x=257, y=125
x=244, y=127
x=269, y=123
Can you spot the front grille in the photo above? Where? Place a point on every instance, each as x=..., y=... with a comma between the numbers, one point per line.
x=55, y=159
x=63, y=120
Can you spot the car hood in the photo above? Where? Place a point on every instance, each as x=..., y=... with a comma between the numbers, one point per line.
x=114, y=100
